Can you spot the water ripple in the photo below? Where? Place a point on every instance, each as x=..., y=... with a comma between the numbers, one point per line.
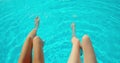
x=99, y=19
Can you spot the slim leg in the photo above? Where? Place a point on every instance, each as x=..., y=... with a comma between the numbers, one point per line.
x=26, y=56
x=75, y=53
x=89, y=56
x=38, y=51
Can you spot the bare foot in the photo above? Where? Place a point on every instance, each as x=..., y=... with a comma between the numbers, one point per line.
x=37, y=22
x=73, y=29
x=72, y=25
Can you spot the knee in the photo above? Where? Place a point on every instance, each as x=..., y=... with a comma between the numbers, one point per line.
x=36, y=38
x=85, y=37
x=37, y=41
x=85, y=40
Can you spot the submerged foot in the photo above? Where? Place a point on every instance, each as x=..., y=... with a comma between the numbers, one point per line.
x=73, y=29
x=37, y=22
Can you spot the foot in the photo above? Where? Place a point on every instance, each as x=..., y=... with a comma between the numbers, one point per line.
x=73, y=29
x=37, y=22
x=72, y=25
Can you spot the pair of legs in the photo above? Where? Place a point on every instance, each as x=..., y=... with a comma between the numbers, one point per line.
x=35, y=43
x=86, y=46
x=89, y=56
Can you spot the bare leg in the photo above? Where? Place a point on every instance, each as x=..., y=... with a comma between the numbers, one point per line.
x=89, y=56
x=26, y=56
x=75, y=53
x=38, y=51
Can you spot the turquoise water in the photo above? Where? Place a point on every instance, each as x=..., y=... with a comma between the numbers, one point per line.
x=100, y=19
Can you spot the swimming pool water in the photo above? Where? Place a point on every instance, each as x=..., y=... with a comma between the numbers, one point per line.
x=100, y=19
